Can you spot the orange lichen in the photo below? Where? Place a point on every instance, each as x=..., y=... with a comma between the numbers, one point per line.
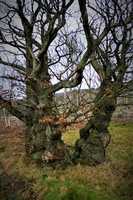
x=47, y=120
x=61, y=120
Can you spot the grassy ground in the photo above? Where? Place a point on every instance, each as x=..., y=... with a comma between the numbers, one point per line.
x=112, y=180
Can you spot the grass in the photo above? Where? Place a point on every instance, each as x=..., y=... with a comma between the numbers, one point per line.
x=67, y=189
x=71, y=136
x=112, y=180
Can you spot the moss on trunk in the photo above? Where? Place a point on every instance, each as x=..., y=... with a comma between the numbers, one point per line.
x=90, y=148
x=44, y=144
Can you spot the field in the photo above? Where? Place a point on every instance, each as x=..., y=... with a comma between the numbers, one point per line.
x=21, y=179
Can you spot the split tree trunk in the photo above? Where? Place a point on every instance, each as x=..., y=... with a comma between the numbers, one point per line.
x=90, y=148
x=43, y=138
x=43, y=135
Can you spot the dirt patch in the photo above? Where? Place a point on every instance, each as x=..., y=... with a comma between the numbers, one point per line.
x=13, y=187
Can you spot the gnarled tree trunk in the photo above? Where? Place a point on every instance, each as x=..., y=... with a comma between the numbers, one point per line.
x=43, y=134
x=45, y=138
x=90, y=148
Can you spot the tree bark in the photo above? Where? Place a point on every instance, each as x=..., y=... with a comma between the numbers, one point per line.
x=35, y=138
x=90, y=148
x=43, y=134
x=43, y=137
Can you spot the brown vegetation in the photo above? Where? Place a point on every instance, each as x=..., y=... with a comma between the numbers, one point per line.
x=113, y=179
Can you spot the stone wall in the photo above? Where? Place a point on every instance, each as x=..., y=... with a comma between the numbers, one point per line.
x=124, y=110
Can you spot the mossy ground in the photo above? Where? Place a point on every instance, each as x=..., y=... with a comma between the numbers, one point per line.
x=113, y=180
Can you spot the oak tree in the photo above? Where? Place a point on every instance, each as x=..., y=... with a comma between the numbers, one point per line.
x=35, y=44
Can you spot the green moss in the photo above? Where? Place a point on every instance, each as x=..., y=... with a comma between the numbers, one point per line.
x=36, y=156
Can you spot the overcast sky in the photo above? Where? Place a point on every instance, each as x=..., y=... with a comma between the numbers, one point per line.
x=89, y=73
